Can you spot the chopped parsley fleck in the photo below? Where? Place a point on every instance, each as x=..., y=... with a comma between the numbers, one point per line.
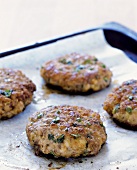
x=88, y=123
x=40, y=115
x=58, y=111
x=56, y=120
x=60, y=69
x=103, y=65
x=116, y=108
x=88, y=61
x=101, y=124
x=64, y=61
x=79, y=67
x=69, y=63
x=85, y=152
x=76, y=136
x=61, y=138
x=79, y=119
x=50, y=137
x=52, y=153
x=129, y=109
x=105, y=79
x=91, y=68
x=130, y=97
x=95, y=59
x=6, y=93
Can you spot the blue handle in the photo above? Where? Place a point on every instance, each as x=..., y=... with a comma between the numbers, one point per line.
x=122, y=38
x=113, y=26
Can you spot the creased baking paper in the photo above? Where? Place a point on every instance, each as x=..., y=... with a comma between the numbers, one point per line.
x=120, y=150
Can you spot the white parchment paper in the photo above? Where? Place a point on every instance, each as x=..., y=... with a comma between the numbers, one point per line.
x=120, y=150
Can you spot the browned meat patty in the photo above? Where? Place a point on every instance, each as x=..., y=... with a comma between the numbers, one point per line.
x=77, y=72
x=121, y=104
x=66, y=131
x=16, y=92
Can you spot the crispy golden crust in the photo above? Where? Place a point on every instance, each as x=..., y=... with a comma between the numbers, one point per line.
x=76, y=72
x=66, y=131
x=16, y=92
x=121, y=104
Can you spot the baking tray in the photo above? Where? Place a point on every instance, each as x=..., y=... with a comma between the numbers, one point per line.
x=120, y=150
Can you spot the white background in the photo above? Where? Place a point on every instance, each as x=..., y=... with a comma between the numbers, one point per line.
x=27, y=21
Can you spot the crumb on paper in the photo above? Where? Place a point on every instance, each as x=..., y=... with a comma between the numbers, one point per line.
x=115, y=82
x=50, y=164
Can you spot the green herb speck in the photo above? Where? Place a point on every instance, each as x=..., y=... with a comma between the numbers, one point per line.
x=101, y=124
x=6, y=93
x=88, y=123
x=76, y=136
x=95, y=59
x=50, y=137
x=79, y=119
x=88, y=61
x=61, y=138
x=58, y=111
x=116, y=108
x=85, y=152
x=103, y=65
x=69, y=62
x=79, y=67
x=56, y=120
x=129, y=109
x=91, y=68
x=63, y=60
x=52, y=153
x=40, y=115
x=105, y=79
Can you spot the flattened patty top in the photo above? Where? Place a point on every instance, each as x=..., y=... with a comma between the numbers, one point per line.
x=66, y=131
x=77, y=72
x=16, y=92
x=121, y=104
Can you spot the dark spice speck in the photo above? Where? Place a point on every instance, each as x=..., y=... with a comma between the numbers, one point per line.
x=80, y=161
